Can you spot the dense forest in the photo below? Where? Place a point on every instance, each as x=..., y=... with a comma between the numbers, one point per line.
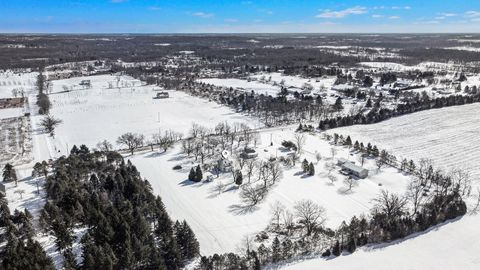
x=127, y=227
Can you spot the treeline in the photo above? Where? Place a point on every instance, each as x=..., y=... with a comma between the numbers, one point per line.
x=18, y=249
x=127, y=227
x=377, y=114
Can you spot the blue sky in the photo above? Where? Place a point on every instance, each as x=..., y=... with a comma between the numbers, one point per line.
x=217, y=16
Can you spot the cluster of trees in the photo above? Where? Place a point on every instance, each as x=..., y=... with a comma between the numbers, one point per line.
x=303, y=231
x=19, y=249
x=308, y=168
x=262, y=175
x=195, y=174
x=134, y=141
x=43, y=101
x=127, y=226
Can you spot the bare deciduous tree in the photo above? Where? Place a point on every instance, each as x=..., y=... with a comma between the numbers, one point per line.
x=251, y=195
x=310, y=213
x=277, y=209
x=131, y=140
x=300, y=142
x=332, y=178
x=415, y=194
x=329, y=166
x=390, y=204
x=105, y=146
x=288, y=220
x=350, y=183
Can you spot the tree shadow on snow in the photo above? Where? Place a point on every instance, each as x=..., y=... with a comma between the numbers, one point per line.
x=238, y=209
x=155, y=154
x=187, y=182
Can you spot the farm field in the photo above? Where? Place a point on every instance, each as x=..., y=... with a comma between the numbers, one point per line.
x=12, y=82
x=221, y=220
x=448, y=136
x=99, y=113
x=244, y=85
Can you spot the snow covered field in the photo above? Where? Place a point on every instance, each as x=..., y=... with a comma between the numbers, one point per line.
x=244, y=85
x=448, y=136
x=455, y=245
x=221, y=220
x=297, y=81
x=92, y=115
x=15, y=81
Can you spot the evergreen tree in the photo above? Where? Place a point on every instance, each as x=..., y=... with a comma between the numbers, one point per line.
x=192, y=176
x=348, y=141
x=311, y=169
x=369, y=103
x=187, y=243
x=336, y=250
x=9, y=174
x=198, y=174
x=238, y=178
x=338, y=104
x=305, y=166
x=276, y=250
x=351, y=245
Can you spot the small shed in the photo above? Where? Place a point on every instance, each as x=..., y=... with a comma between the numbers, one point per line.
x=161, y=95
x=85, y=83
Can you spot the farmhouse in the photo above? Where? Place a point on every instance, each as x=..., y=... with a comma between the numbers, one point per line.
x=352, y=169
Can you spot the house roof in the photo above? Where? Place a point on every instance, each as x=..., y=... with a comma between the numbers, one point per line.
x=352, y=167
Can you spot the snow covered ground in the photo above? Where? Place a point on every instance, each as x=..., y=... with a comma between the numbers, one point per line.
x=10, y=80
x=244, y=85
x=455, y=245
x=92, y=115
x=448, y=136
x=297, y=81
x=221, y=220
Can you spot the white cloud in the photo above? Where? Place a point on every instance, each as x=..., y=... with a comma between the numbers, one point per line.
x=428, y=22
x=472, y=14
x=394, y=17
x=153, y=8
x=377, y=16
x=342, y=13
x=404, y=7
x=445, y=14
x=203, y=15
